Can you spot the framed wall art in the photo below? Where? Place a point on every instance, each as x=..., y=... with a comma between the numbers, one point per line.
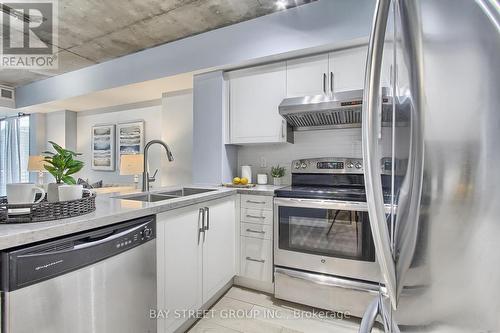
x=103, y=147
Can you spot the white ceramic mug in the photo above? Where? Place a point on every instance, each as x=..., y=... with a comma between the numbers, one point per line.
x=23, y=193
x=71, y=192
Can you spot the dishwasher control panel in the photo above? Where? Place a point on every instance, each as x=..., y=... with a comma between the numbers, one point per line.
x=136, y=237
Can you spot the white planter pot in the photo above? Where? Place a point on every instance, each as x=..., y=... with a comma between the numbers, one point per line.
x=277, y=181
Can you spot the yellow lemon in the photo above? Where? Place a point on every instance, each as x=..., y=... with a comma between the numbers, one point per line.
x=243, y=181
x=236, y=180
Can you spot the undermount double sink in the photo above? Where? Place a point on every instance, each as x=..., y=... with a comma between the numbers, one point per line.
x=167, y=195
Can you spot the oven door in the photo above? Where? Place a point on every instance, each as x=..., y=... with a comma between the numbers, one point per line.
x=325, y=236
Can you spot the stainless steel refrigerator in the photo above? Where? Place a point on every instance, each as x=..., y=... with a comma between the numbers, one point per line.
x=439, y=248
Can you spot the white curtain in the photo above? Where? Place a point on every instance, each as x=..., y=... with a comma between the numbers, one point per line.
x=10, y=153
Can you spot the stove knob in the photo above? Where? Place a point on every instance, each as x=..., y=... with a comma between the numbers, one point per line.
x=147, y=232
x=349, y=165
x=297, y=165
x=303, y=165
x=358, y=165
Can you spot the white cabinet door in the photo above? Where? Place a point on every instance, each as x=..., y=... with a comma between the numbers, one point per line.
x=255, y=95
x=179, y=264
x=307, y=76
x=348, y=68
x=219, y=247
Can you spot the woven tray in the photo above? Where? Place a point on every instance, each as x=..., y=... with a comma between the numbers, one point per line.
x=44, y=210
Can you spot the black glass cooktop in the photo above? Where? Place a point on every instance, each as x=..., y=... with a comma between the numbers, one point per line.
x=344, y=187
x=327, y=192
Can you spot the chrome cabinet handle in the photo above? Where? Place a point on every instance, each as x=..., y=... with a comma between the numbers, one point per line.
x=256, y=217
x=331, y=82
x=283, y=127
x=256, y=260
x=207, y=214
x=371, y=154
x=256, y=231
x=201, y=223
x=256, y=202
x=324, y=83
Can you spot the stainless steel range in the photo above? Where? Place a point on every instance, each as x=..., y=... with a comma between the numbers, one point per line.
x=324, y=254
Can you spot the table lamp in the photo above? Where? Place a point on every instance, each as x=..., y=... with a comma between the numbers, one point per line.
x=132, y=165
x=36, y=164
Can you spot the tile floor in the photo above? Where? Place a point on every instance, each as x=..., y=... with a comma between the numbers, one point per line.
x=248, y=311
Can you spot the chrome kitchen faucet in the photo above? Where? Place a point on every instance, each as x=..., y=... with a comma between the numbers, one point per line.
x=145, y=175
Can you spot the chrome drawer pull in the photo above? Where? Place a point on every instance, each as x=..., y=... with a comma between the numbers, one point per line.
x=256, y=217
x=256, y=231
x=256, y=202
x=256, y=260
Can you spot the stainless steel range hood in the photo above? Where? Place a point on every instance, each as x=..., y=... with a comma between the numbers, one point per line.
x=342, y=110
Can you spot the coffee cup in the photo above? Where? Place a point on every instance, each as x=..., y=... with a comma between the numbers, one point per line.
x=23, y=193
x=71, y=192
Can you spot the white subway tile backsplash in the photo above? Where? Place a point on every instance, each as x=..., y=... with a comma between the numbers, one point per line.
x=308, y=144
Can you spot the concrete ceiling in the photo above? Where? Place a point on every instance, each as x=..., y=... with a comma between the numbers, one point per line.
x=94, y=31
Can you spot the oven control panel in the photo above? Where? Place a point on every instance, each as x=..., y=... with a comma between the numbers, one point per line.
x=328, y=165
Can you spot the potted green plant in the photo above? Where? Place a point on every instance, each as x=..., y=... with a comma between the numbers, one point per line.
x=277, y=172
x=61, y=165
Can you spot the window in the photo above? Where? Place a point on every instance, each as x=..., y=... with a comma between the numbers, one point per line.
x=14, y=150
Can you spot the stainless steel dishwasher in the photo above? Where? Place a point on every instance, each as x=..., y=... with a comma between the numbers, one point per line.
x=101, y=281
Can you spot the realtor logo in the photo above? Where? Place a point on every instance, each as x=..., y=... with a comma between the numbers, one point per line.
x=29, y=34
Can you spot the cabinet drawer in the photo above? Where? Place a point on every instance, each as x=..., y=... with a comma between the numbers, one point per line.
x=257, y=216
x=256, y=260
x=263, y=231
x=256, y=201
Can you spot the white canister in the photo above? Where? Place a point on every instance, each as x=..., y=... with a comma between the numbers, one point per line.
x=262, y=179
x=246, y=172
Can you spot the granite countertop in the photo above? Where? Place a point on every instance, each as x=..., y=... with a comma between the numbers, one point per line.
x=110, y=210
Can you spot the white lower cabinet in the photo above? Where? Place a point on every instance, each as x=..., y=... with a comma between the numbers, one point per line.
x=256, y=259
x=192, y=265
x=219, y=248
x=256, y=242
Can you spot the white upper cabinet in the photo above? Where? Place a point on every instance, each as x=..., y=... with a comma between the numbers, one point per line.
x=254, y=97
x=348, y=68
x=307, y=76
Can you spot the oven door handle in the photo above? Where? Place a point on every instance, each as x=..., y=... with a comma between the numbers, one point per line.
x=331, y=281
x=324, y=204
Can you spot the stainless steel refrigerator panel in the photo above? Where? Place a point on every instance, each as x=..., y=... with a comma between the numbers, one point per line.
x=457, y=68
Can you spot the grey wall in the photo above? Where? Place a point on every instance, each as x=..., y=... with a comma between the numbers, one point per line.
x=213, y=161
x=152, y=128
x=169, y=119
x=325, y=22
x=177, y=132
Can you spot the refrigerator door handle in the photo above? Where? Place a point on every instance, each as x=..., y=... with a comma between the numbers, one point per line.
x=376, y=308
x=371, y=154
